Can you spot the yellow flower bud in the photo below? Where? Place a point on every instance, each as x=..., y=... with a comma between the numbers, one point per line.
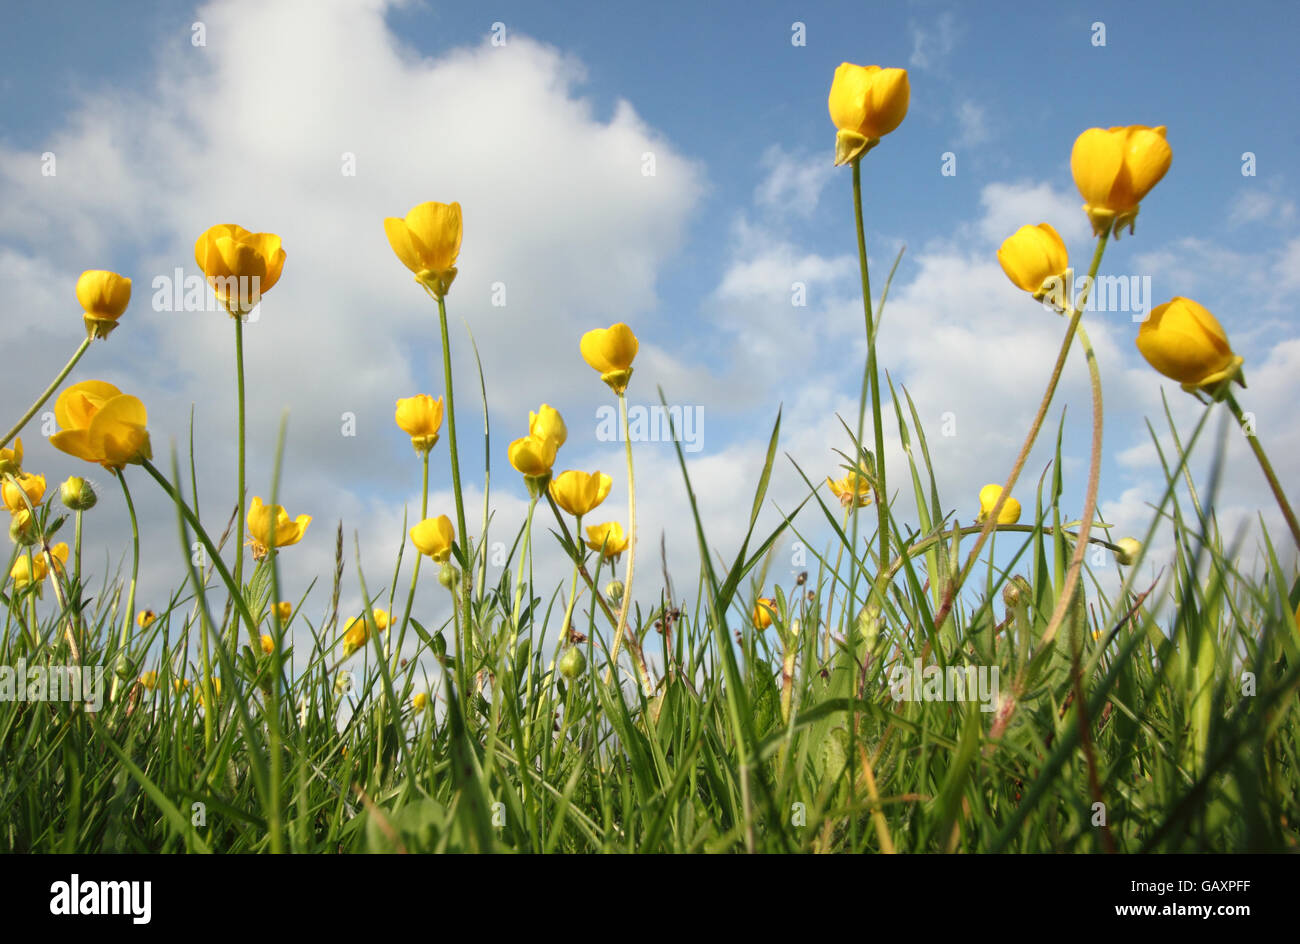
x=78, y=494
x=419, y=700
x=1033, y=255
x=284, y=609
x=547, y=423
x=1183, y=341
x=104, y=297
x=149, y=680
x=420, y=417
x=611, y=351
x=26, y=484
x=1114, y=168
x=609, y=539
x=764, y=610
x=101, y=424
x=268, y=644
x=427, y=242
x=577, y=492
x=1129, y=549
x=240, y=266
x=11, y=460
x=260, y=520
x=145, y=618
x=434, y=537
x=866, y=103
x=989, y=496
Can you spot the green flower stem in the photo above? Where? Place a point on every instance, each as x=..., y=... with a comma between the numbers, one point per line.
x=129, y=615
x=239, y=498
x=466, y=577
x=49, y=392
x=519, y=575
x=1076, y=314
x=631, y=544
x=1267, y=468
x=415, y=576
x=872, y=371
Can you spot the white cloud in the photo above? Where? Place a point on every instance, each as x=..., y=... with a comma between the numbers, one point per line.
x=933, y=43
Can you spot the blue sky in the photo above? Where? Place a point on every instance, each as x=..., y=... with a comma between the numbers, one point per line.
x=158, y=139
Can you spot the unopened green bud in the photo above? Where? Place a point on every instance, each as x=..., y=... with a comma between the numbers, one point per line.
x=439, y=645
x=868, y=623
x=448, y=576
x=1016, y=591
x=23, y=530
x=573, y=663
x=78, y=494
x=1129, y=549
x=614, y=592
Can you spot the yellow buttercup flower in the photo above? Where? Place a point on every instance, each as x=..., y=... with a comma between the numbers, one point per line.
x=260, y=518
x=103, y=296
x=764, y=610
x=532, y=457
x=268, y=644
x=420, y=417
x=434, y=537
x=1032, y=256
x=180, y=685
x=216, y=689
x=577, y=492
x=24, y=484
x=866, y=103
x=854, y=487
x=1114, y=168
x=101, y=424
x=284, y=609
x=547, y=423
x=145, y=618
x=357, y=631
x=25, y=573
x=607, y=538
x=989, y=495
x=149, y=680
x=240, y=266
x=428, y=242
x=611, y=351
x=11, y=460
x=420, y=700
x=1183, y=341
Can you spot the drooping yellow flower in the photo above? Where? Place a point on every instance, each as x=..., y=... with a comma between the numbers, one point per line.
x=989, y=495
x=764, y=610
x=420, y=700
x=1032, y=256
x=607, y=538
x=260, y=519
x=103, y=297
x=420, y=417
x=101, y=424
x=611, y=351
x=149, y=680
x=145, y=618
x=854, y=487
x=25, y=573
x=11, y=460
x=428, y=242
x=866, y=103
x=284, y=609
x=531, y=456
x=577, y=492
x=268, y=644
x=1114, y=168
x=434, y=537
x=1183, y=341
x=547, y=423
x=24, y=484
x=240, y=266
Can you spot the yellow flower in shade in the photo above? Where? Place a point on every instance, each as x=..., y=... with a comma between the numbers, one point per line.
x=434, y=538
x=764, y=610
x=532, y=457
x=547, y=423
x=428, y=242
x=611, y=351
x=24, y=484
x=216, y=689
x=1032, y=256
x=577, y=492
x=145, y=618
x=260, y=518
x=1114, y=168
x=25, y=573
x=268, y=644
x=101, y=424
x=420, y=700
x=866, y=103
x=854, y=487
x=103, y=297
x=989, y=495
x=420, y=417
x=149, y=680
x=1183, y=341
x=11, y=460
x=607, y=538
x=180, y=685
x=284, y=609
x=240, y=266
